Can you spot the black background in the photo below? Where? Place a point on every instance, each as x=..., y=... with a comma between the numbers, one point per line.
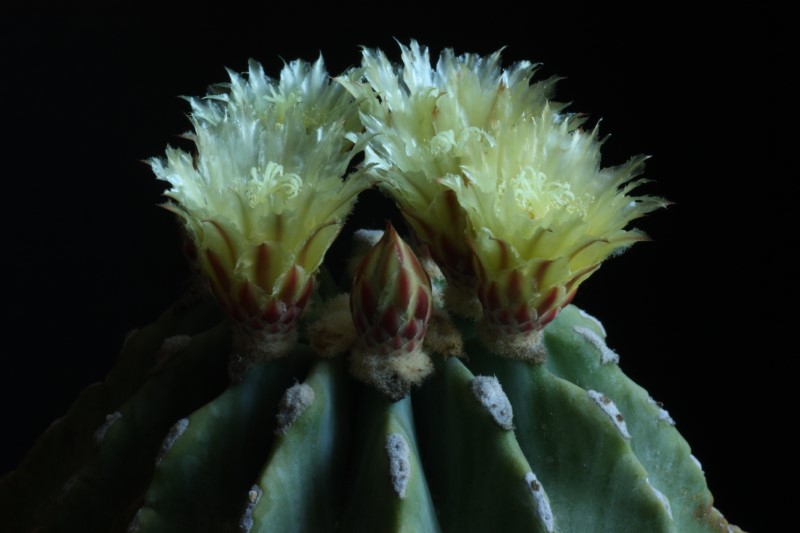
x=87, y=255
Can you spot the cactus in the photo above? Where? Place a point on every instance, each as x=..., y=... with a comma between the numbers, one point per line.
x=455, y=391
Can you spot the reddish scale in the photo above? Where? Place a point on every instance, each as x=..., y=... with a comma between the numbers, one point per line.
x=504, y=254
x=403, y=293
x=262, y=266
x=548, y=302
x=452, y=204
x=380, y=276
x=219, y=272
x=541, y=271
x=278, y=315
x=423, y=308
x=272, y=313
x=568, y=299
x=577, y=279
x=548, y=317
x=226, y=239
x=368, y=299
x=306, y=294
x=290, y=316
x=362, y=324
x=380, y=335
x=411, y=330
x=397, y=343
x=302, y=254
x=416, y=267
x=455, y=262
x=503, y=316
x=390, y=321
x=515, y=283
x=522, y=315
x=512, y=318
x=289, y=287
x=369, y=341
x=493, y=300
x=247, y=299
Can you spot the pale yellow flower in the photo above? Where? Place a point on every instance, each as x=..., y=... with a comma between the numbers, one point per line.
x=486, y=167
x=263, y=198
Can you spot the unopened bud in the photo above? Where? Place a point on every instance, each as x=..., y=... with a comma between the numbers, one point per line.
x=391, y=303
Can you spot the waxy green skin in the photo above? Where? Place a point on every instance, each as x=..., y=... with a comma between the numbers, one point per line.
x=329, y=471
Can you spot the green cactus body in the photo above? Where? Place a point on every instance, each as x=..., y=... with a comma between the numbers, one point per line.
x=187, y=455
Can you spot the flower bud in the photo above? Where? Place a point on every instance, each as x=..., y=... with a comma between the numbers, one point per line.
x=391, y=303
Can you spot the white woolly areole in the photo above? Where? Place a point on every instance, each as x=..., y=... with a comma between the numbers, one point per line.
x=594, y=321
x=174, y=433
x=253, y=495
x=333, y=331
x=438, y=282
x=366, y=238
x=696, y=462
x=663, y=499
x=489, y=393
x=170, y=347
x=608, y=407
x=173, y=345
x=663, y=414
x=443, y=337
x=607, y=355
x=542, y=502
x=528, y=347
x=393, y=376
x=399, y=462
x=100, y=434
x=294, y=403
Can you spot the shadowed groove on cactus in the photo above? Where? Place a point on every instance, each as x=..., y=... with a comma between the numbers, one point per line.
x=342, y=433
x=374, y=503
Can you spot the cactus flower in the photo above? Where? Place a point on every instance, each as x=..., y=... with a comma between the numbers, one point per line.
x=391, y=303
x=505, y=189
x=263, y=198
x=422, y=119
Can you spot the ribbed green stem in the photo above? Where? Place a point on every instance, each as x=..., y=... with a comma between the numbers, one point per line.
x=203, y=478
x=298, y=489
